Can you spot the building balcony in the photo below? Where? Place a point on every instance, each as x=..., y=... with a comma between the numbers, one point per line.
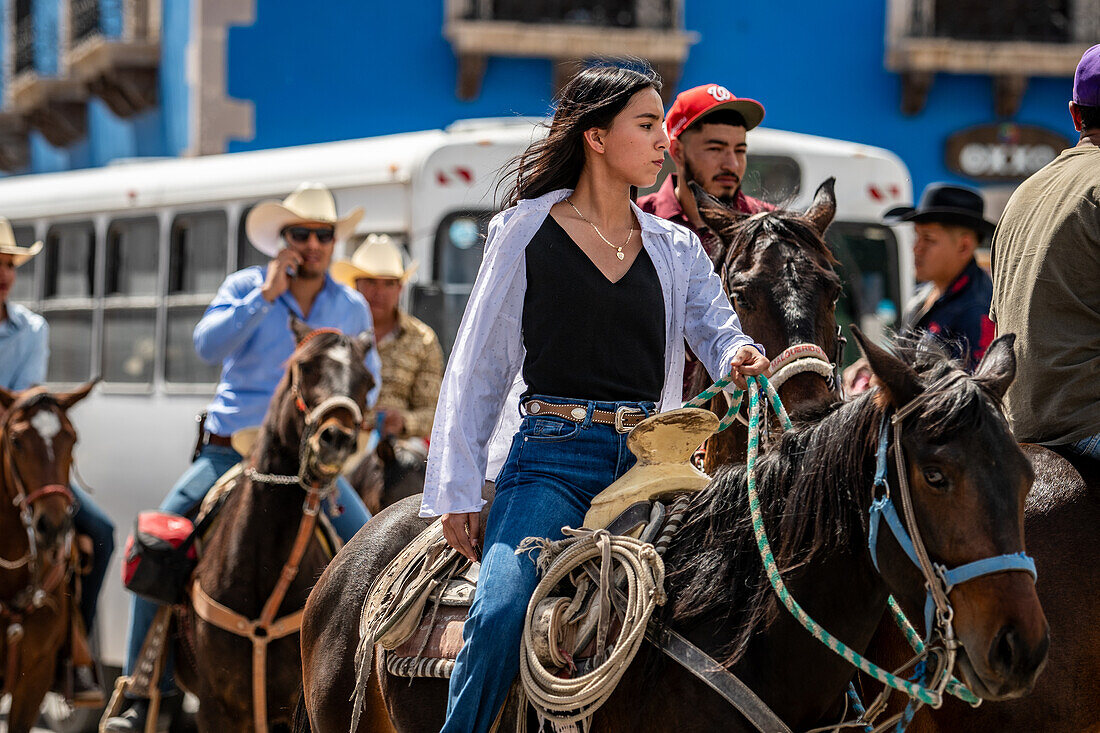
x=58, y=108
x=567, y=32
x=1010, y=42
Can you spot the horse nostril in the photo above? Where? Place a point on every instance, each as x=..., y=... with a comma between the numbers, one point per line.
x=337, y=438
x=1005, y=653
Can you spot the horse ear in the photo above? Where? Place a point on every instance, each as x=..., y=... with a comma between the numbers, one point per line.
x=364, y=342
x=823, y=209
x=385, y=451
x=719, y=217
x=900, y=382
x=7, y=398
x=68, y=399
x=998, y=367
x=300, y=329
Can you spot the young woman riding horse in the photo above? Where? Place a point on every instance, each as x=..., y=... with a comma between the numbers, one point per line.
x=36, y=534
x=590, y=300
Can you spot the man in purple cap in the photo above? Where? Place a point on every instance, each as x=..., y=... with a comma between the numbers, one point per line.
x=1046, y=285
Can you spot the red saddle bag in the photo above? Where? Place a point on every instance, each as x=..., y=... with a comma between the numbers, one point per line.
x=160, y=556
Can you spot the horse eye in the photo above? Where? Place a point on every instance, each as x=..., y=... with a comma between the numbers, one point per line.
x=935, y=478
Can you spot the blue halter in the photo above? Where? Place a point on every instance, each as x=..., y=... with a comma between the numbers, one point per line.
x=883, y=508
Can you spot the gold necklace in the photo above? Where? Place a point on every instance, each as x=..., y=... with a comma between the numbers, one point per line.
x=617, y=247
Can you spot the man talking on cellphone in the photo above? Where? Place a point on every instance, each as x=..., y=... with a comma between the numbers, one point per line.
x=246, y=329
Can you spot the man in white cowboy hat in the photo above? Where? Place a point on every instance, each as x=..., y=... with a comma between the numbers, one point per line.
x=412, y=359
x=24, y=354
x=246, y=330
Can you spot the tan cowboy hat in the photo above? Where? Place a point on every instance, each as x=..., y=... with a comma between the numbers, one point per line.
x=309, y=202
x=377, y=257
x=9, y=247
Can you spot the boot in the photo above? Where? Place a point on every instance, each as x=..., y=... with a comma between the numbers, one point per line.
x=134, y=717
x=87, y=691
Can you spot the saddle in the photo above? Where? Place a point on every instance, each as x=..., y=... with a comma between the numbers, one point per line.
x=416, y=608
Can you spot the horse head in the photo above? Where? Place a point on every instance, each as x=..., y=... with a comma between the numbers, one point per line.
x=319, y=405
x=778, y=274
x=36, y=443
x=967, y=479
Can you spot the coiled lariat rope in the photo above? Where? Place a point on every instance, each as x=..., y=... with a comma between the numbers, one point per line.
x=619, y=561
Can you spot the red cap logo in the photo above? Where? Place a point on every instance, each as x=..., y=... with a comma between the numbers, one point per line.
x=720, y=94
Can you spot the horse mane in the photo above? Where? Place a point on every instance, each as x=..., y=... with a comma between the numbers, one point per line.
x=814, y=486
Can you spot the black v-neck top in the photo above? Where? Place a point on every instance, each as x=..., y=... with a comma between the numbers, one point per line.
x=586, y=337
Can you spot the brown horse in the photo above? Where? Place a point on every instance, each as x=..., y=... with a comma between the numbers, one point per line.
x=36, y=538
x=309, y=431
x=815, y=488
x=393, y=470
x=778, y=273
x=1060, y=519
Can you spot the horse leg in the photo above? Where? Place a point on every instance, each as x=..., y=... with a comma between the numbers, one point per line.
x=26, y=697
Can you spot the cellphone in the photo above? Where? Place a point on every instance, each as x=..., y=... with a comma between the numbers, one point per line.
x=291, y=270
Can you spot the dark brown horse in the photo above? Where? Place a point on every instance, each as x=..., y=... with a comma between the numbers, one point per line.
x=815, y=488
x=778, y=273
x=393, y=470
x=36, y=537
x=309, y=431
x=1061, y=520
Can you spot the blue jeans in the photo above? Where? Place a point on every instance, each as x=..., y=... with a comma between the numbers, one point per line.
x=188, y=493
x=1088, y=447
x=91, y=520
x=553, y=470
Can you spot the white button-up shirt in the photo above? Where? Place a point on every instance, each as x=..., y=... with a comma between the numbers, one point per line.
x=478, y=409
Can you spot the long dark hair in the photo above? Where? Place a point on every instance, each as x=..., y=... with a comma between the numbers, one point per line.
x=592, y=98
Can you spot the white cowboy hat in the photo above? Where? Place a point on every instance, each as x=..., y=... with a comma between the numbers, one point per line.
x=310, y=202
x=9, y=247
x=377, y=257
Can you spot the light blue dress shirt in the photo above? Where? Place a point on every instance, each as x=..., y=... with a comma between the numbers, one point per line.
x=24, y=348
x=252, y=340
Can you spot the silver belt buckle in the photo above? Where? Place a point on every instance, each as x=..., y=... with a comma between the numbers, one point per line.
x=621, y=412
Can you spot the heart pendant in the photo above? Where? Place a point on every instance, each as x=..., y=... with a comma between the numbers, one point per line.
x=620, y=255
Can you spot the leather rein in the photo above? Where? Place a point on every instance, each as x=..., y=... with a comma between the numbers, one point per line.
x=265, y=629
x=38, y=591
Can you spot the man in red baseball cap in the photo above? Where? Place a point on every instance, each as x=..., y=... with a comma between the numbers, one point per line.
x=706, y=128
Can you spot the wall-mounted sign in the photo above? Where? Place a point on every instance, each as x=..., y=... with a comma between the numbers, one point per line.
x=1002, y=151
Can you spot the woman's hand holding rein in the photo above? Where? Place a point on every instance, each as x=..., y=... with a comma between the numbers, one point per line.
x=462, y=531
x=748, y=362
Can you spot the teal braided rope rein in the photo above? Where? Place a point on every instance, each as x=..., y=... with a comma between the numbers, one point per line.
x=913, y=690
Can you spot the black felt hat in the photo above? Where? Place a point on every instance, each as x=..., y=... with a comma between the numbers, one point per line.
x=947, y=203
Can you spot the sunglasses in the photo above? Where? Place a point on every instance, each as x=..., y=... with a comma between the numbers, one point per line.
x=300, y=235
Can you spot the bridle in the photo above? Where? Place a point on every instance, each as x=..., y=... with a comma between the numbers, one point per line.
x=313, y=417
x=938, y=579
x=38, y=591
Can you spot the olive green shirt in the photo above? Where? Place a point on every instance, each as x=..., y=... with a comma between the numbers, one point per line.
x=412, y=370
x=1046, y=290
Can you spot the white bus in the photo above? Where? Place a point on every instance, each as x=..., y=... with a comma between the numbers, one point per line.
x=134, y=252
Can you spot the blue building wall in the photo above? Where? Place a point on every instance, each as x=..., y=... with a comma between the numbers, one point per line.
x=351, y=69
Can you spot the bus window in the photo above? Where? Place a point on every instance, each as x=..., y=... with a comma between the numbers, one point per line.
x=459, y=244
x=199, y=247
x=181, y=364
x=129, y=311
x=68, y=306
x=247, y=255
x=25, y=291
x=773, y=178
x=868, y=256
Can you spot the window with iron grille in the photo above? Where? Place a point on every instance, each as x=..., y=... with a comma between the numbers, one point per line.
x=24, y=36
x=616, y=13
x=1040, y=21
x=83, y=20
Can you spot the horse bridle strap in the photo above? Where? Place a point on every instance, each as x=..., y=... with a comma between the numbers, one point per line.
x=939, y=580
x=266, y=628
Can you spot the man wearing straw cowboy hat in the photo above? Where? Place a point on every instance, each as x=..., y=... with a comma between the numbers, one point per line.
x=24, y=354
x=412, y=359
x=246, y=329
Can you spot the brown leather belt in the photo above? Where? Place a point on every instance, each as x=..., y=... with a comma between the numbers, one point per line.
x=209, y=438
x=623, y=419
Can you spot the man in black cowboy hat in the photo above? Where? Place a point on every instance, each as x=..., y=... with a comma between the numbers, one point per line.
x=953, y=301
